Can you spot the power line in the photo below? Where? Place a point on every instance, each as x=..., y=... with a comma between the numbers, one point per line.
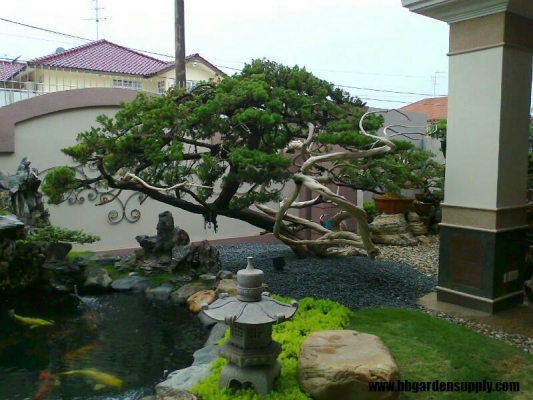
x=45, y=30
x=221, y=66
x=391, y=91
x=341, y=71
x=36, y=38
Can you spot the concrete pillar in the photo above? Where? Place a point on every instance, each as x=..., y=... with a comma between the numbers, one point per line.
x=484, y=213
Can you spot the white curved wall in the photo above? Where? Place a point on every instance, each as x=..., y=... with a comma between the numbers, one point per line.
x=41, y=138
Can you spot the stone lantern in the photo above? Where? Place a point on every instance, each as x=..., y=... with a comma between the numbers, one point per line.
x=250, y=351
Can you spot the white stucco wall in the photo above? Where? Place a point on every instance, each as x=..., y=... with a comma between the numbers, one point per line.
x=40, y=139
x=475, y=176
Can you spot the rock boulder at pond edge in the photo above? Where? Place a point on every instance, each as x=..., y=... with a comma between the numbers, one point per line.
x=161, y=292
x=181, y=295
x=96, y=277
x=131, y=283
x=194, y=303
x=339, y=364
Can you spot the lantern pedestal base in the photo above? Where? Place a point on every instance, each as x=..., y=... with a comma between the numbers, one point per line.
x=260, y=378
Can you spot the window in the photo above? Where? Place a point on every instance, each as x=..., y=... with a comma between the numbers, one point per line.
x=122, y=83
x=161, y=87
x=190, y=85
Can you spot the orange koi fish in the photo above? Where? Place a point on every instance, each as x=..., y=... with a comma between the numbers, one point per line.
x=45, y=385
x=71, y=355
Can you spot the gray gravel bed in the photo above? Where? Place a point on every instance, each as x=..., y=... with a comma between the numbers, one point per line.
x=356, y=282
x=397, y=278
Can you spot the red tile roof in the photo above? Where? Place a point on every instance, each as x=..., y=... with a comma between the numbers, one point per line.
x=104, y=56
x=9, y=69
x=435, y=108
x=198, y=57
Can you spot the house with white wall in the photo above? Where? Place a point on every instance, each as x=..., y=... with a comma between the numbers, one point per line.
x=97, y=64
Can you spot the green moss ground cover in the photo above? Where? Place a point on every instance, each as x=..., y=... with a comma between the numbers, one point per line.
x=312, y=316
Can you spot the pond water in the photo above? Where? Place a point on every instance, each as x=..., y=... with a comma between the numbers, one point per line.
x=127, y=336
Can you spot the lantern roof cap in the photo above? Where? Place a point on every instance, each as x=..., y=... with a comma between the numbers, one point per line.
x=266, y=311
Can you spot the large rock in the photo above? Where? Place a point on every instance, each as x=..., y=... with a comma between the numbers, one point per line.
x=167, y=237
x=161, y=292
x=391, y=229
x=181, y=295
x=58, y=251
x=64, y=275
x=20, y=194
x=228, y=286
x=10, y=221
x=96, y=277
x=194, y=303
x=340, y=364
x=181, y=380
x=202, y=257
x=171, y=251
x=165, y=232
x=131, y=283
x=178, y=382
x=180, y=254
x=21, y=263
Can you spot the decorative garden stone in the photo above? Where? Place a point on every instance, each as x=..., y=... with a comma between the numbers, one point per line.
x=171, y=251
x=96, y=277
x=197, y=300
x=228, y=286
x=181, y=295
x=20, y=194
x=131, y=283
x=161, y=292
x=391, y=229
x=339, y=365
x=250, y=350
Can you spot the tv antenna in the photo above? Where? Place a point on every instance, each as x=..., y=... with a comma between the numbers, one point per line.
x=97, y=17
x=434, y=79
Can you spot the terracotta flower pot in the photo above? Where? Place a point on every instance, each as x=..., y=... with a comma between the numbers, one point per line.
x=392, y=205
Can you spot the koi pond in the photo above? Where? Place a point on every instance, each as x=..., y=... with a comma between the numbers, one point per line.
x=106, y=346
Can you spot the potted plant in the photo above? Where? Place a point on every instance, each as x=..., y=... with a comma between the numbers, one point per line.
x=431, y=184
x=397, y=172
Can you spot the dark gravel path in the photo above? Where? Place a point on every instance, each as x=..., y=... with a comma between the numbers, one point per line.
x=356, y=282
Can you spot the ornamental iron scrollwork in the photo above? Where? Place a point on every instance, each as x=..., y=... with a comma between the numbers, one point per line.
x=114, y=217
x=101, y=192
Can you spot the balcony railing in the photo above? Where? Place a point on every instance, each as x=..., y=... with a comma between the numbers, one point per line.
x=36, y=81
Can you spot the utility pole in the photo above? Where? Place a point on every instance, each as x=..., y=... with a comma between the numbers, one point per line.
x=179, y=26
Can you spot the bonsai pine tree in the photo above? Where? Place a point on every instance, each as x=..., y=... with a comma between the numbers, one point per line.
x=228, y=149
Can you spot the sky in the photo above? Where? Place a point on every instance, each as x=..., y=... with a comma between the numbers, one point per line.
x=375, y=49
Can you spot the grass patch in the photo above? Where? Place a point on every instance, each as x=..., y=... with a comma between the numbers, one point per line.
x=114, y=273
x=427, y=348
x=159, y=278
x=74, y=254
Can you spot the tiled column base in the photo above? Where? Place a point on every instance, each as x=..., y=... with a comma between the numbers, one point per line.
x=480, y=269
